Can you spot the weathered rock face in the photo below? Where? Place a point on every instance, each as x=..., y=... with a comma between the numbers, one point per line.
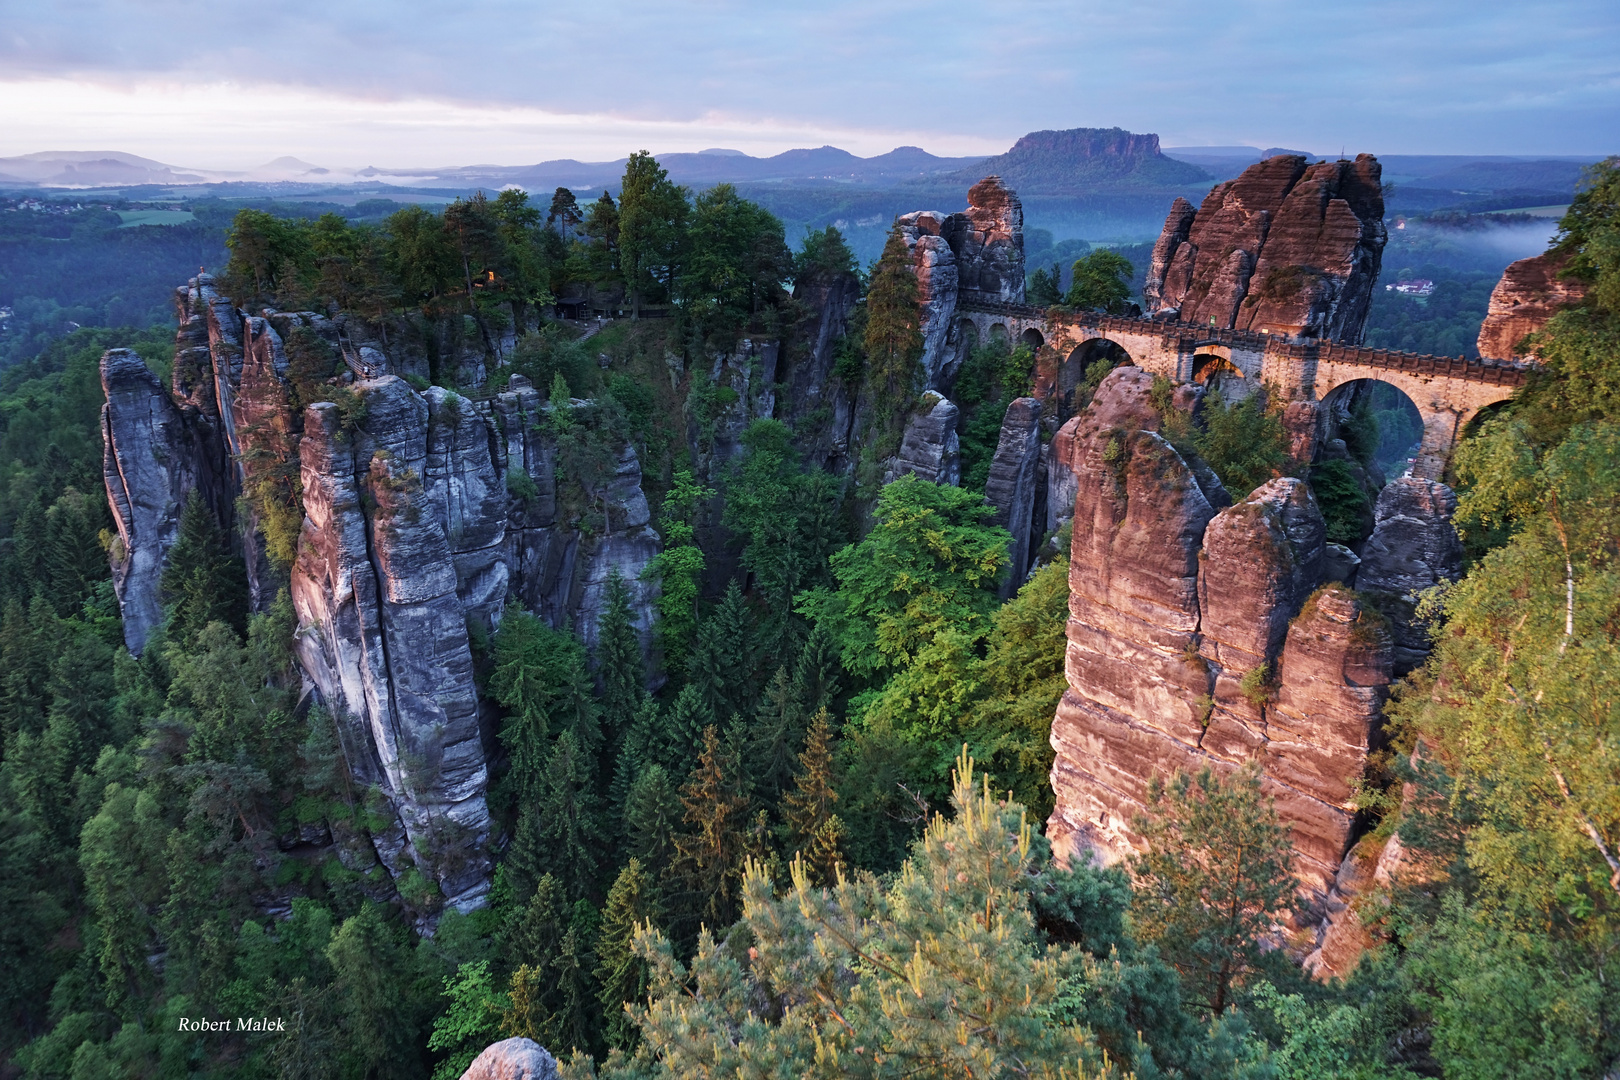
x=1013, y=487
x=1530, y=293
x=988, y=242
x=1287, y=247
x=938, y=284
x=149, y=471
x=422, y=515
x=382, y=631
x=1172, y=601
x=930, y=447
x=1413, y=547
x=513, y=1059
x=812, y=387
x=977, y=254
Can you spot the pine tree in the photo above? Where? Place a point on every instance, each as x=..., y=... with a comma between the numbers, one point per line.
x=707, y=870
x=1216, y=877
x=814, y=830
x=621, y=975
x=652, y=811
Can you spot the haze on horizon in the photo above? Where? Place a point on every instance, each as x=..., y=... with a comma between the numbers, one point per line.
x=221, y=86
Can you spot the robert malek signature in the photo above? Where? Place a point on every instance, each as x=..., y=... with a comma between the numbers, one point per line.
x=241, y=1023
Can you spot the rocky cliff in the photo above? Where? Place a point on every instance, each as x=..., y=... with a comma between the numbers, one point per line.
x=975, y=254
x=403, y=523
x=1530, y=292
x=1286, y=247
x=1200, y=634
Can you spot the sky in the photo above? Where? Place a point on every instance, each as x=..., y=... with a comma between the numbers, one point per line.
x=348, y=83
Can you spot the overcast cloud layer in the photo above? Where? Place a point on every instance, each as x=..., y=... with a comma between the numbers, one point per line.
x=509, y=82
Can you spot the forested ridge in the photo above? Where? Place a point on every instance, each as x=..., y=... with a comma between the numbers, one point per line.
x=816, y=849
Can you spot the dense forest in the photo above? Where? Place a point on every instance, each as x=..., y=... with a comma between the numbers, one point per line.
x=816, y=849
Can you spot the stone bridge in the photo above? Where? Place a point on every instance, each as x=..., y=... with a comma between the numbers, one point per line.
x=1314, y=377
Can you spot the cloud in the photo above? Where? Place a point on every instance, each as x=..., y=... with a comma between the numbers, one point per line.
x=590, y=80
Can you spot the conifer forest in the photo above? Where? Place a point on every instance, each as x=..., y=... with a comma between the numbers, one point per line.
x=765, y=789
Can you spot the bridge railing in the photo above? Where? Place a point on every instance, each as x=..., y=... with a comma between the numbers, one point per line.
x=1194, y=335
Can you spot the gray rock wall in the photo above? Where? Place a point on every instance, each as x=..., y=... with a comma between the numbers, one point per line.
x=423, y=515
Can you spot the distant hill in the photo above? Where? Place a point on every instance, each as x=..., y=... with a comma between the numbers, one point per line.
x=90, y=168
x=1081, y=161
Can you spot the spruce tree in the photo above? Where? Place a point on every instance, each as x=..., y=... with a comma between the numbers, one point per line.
x=814, y=830
x=73, y=555
x=815, y=673
x=637, y=749
x=27, y=639
x=652, y=811
x=621, y=975
x=552, y=992
x=894, y=341
x=723, y=658
x=203, y=582
x=569, y=830
x=682, y=733
x=619, y=669
x=533, y=931
x=29, y=548
x=774, y=738
x=707, y=870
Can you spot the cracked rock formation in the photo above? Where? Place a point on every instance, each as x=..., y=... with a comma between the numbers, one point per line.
x=1013, y=487
x=930, y=447
x=149, y=472
x=1287, y=247
x=421, y=515
x=938, y=283
x=1173, y=600
x=1413, y=547
x=988, y=242
x=1530, y=293
x=977, y=254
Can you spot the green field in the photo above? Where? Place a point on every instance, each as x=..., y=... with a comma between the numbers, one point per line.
x=155, y=217
x=1536, y=211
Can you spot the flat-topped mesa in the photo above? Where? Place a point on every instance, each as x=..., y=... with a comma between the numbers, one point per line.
x=1287, y=248
x=1198, y=635
x=1531, y=292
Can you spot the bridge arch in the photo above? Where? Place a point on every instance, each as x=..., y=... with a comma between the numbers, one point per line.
x=1033, y=338
x=1000, y=335
x=1445, y=405
x=1377, y=421
x=1217, y=372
